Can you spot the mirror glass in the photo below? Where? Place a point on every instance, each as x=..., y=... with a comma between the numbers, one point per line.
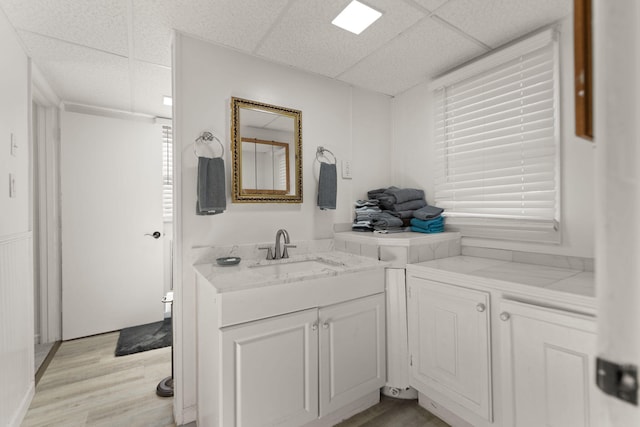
x=267, y=146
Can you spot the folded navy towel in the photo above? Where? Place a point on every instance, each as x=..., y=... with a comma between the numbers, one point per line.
x=372, y=193
x=403, y=214
x=411, y=205
x=327, y=186
x=211, y=193
x=427, y=212
x=405, y=194
x=385, y=219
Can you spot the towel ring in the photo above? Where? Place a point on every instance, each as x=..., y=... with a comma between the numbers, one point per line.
x=207, y=137
x=320, y=152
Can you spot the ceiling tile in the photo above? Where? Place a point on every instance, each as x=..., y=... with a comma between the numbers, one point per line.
x=240, y=24
x=150, y=83
x=496, y=22
x=431, y=5
x=305, y=38
x=81, y=75
x=98, y=24
x=425, y=51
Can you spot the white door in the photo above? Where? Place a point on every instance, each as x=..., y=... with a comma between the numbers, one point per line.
x=271, y=374
x=352, y=351
x=111, y=185
x=548, y=367
x=449, y=343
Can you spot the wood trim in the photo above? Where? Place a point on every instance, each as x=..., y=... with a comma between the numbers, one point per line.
x=286, y=157
x=583, y=71
x=47, y=360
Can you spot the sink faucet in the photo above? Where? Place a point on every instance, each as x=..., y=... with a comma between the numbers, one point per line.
x=282, y=253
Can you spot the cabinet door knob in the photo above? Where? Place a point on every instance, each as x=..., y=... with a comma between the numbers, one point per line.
x=481, y=307
x=504, y=316
x=325, y=325
x=314, y=327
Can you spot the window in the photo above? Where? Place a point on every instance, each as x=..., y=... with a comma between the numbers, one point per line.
x=167, y=173
x=497, y=143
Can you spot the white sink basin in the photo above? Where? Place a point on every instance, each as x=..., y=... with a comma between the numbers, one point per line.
x=309, y=266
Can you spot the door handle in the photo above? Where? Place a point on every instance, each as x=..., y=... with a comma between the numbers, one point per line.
x=155, y=234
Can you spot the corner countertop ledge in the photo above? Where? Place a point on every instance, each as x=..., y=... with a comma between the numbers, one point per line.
x=513, y=278
x=246, y=276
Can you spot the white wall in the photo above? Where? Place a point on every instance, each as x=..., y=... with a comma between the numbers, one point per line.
x=353, y=124
x=16, y=258
x=413, y=158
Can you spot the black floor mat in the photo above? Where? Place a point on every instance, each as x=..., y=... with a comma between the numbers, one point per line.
x=144, y=337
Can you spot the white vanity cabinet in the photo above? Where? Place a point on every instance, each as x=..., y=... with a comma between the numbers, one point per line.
x=352, y=351
x=547, y=366
x=270, y=371
x=449, y=331
x=496, y=343
x=291, y=369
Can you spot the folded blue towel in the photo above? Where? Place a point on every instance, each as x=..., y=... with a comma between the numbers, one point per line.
x=327, y=186
x=432, y=230
x=211, y=193
x=435, y=225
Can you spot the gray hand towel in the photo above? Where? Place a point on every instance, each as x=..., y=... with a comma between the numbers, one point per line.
x=428, y=212
x=211, y=193
x=327, y=186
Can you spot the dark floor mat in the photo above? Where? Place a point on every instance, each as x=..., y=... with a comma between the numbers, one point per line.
x=144, y=337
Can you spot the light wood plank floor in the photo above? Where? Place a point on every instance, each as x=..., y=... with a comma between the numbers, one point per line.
x=392, y=412
x=86, y=385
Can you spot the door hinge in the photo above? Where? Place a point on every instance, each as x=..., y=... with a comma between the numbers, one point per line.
x=411, y=360
x=408, y=291
x=617, y=380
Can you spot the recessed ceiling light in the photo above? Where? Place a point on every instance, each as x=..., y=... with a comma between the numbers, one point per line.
x=356, y=17
x=167, y=100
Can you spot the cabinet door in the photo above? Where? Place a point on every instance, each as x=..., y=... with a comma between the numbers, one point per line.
x=352, y=351
x=270, y=375
x=449, y=343
x=548, y=366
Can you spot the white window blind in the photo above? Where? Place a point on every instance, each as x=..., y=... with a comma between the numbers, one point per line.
x=167, y=173
x=497, y=141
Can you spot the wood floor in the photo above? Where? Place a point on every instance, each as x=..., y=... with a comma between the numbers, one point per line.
x=392, y=412
x=86, y=385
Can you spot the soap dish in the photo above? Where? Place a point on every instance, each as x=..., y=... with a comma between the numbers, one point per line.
x=228, y=260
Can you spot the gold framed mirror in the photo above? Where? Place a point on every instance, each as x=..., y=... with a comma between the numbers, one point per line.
x=266, y=146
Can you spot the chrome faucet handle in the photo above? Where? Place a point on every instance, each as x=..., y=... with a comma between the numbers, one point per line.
x=285, y=253
x=269, y=251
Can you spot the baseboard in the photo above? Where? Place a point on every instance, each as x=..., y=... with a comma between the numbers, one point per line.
x=21, y=412
x=189, y=415
x=45, y=364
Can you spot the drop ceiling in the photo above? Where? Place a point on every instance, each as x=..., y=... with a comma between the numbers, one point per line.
x=117, y=53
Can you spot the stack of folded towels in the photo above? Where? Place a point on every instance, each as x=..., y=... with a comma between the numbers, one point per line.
x=428, y=219
x=369, y=217
x=393, y=209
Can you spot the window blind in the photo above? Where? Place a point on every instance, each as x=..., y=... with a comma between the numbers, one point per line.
x=167, y=173
x=496, y=142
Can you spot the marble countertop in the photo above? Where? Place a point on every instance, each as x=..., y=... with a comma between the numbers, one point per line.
x=248, y=274
x=517, y=277
x=406, y=238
